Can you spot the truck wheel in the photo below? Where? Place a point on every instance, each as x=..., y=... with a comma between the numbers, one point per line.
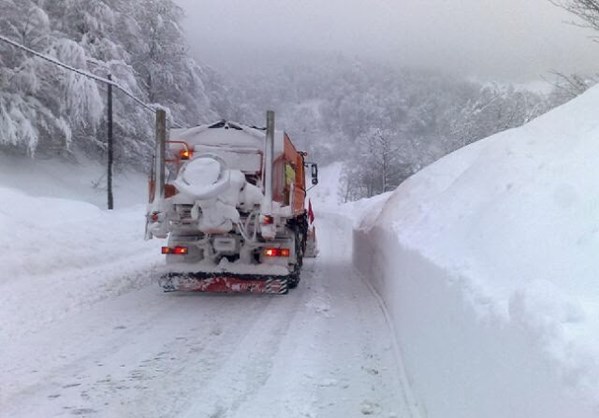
x=299, y=250
x=294, y=279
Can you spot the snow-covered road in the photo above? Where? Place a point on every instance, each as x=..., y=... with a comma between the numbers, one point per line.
x=324, y=350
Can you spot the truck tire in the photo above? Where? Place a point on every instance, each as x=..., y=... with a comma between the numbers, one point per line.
x=294, y=279
x=295, y=276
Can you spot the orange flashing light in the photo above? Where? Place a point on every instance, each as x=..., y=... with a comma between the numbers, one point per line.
x=185, y=154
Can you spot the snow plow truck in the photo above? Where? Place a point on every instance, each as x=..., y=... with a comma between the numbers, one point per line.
x=230, y=200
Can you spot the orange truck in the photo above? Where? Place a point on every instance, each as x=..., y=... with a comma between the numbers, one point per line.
x=231, y=201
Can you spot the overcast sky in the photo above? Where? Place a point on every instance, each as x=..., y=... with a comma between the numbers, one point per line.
x=516, y=40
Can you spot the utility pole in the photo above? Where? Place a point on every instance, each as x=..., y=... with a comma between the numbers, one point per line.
x=161, y=131
x=161, y=137
x=110, y=146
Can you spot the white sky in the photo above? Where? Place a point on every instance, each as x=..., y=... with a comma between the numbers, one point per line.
x=491, y=39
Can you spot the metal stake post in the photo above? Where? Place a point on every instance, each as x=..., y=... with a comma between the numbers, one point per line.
x=160, y=151
x=268, y=158
x=110, y=147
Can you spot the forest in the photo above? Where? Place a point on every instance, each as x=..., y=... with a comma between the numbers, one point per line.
x=383, y=122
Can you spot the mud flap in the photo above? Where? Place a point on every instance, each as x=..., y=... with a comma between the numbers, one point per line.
x=224, y=283
x=311, y=249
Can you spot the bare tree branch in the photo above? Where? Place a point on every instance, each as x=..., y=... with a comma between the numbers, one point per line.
x=587, y=10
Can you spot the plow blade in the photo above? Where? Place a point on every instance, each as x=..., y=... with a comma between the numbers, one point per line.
x=224, y=283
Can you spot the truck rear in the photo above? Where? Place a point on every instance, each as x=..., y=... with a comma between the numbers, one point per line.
x=230, y=200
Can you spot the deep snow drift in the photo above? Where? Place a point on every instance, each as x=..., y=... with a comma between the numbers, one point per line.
x=488, y=260
x=59, y=254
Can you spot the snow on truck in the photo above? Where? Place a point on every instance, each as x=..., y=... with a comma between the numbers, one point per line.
x=231, y=200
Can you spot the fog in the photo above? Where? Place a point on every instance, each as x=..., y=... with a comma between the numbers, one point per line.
x=515, y=40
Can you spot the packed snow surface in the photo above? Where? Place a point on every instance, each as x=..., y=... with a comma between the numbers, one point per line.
x=86, y=331
x=488, y=261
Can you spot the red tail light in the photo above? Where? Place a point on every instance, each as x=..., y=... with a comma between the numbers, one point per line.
x=180, y=250
x=268, y=220
x=177, y=250
x=277, y=252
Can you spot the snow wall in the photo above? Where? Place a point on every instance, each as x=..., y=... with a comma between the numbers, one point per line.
x=488, y=263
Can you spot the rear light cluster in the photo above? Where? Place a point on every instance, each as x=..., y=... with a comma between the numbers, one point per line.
x=277, y=252
x=175, y=250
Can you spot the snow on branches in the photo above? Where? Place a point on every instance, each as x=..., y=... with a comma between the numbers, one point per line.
x=48, y=109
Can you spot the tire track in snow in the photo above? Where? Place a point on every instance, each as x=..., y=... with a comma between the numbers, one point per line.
x=321, y=351
x=250, y=365
x=338, y=360
x=149, y=365
x=410, y=407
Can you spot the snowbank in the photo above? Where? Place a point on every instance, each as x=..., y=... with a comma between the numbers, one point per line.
x=62, y=255
x=83, y=181
x=488, y=263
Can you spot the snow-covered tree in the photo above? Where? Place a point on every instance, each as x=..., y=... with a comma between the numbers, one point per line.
x=380, y=163
x=170, y=77
x=334, y=107
x=47, y=109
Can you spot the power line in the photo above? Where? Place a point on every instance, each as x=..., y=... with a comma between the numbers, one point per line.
x=78, y=71
x=86, y=74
